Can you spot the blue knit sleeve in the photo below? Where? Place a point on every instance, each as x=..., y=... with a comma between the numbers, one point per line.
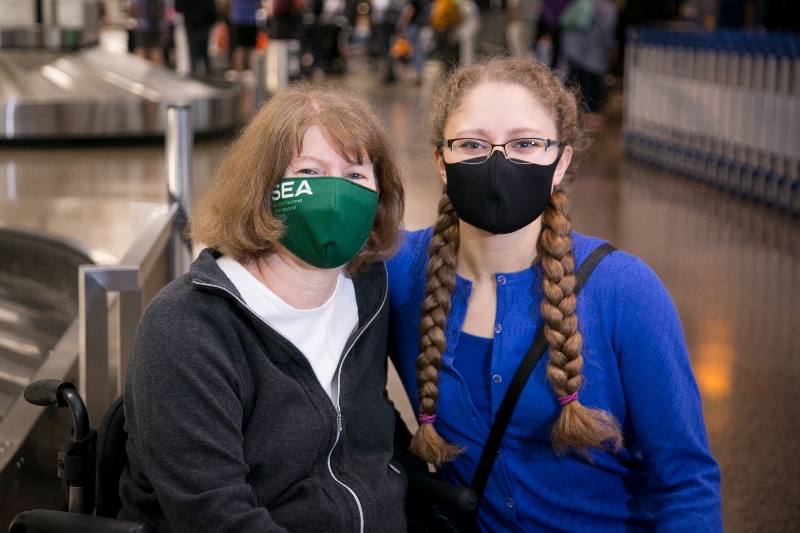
x=664, y=406
x=406, y=290
x=407, y=265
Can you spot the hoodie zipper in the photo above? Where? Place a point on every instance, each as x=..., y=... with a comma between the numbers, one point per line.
x=338, y=384
x=339, y=411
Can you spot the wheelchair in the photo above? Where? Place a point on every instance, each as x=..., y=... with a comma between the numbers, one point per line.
x=92, y=462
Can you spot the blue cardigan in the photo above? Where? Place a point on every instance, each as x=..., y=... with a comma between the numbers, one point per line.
x=636, y=366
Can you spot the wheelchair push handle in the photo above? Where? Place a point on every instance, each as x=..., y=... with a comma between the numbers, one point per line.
x=46, y=392
x=76, y=464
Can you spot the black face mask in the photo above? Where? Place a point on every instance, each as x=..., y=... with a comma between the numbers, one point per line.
x=497, y=195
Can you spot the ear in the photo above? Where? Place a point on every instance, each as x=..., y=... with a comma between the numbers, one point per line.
x=563, y=165
x=440, y=165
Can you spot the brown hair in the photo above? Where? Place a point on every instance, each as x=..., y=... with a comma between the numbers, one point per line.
x=234, y=216
x=578, y=427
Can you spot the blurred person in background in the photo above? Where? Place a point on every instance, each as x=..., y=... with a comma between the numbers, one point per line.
x=130, y=24
x=467, y=30
x=323, y=23
x=414, y=20
x=588, y=53
x=285, y=19
x=523, y=18
x=445, y=20
x=385, y=16
x=151, y=26
x=547, y=44
x=198, y=18
x=360, y=47
x=243, y=31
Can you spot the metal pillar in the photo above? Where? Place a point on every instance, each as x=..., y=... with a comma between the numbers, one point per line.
x=282, y=63
x=179, y=138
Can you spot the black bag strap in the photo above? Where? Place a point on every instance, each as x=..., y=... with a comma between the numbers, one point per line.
x=520, y=378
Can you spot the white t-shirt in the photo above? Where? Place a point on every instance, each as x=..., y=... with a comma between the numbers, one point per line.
x=320, y=333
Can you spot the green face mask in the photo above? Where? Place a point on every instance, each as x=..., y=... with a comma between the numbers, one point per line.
x=328, y=220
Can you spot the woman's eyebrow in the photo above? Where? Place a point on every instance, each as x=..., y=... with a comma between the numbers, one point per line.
x=364, y=164
x=305, y=158
x=532, y=132
x=310, y=159
x=471, y=133
x=514, y=133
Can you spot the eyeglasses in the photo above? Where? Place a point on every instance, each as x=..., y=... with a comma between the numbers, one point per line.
x=527, y=151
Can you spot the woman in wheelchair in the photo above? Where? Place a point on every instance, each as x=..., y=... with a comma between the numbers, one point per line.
x=255, y=397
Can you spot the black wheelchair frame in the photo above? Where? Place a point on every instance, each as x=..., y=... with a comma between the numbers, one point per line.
x=92, y=462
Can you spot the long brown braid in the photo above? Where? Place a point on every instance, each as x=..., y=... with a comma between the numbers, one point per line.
x=441, y=275
x=578, y=428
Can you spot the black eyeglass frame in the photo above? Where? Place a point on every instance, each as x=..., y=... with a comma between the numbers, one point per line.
x=547, y=144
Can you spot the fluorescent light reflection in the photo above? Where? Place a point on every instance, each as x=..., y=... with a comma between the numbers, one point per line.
x=57, y=77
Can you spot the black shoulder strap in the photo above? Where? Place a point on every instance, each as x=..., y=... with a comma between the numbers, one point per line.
x=520, y=378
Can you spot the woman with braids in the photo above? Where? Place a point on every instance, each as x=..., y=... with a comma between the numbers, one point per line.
x=608, y=434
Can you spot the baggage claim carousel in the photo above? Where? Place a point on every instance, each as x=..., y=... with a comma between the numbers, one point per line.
x=94, y=94
x=38, y=339
x=56, y=97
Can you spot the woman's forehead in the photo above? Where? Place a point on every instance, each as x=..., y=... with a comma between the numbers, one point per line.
x=500, y=107
x=318, y=140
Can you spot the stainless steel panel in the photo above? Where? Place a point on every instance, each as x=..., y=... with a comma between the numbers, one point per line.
x=38, y=309
x=94, y=93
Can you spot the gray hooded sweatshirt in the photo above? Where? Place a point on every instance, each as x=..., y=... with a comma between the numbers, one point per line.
x=230, y=430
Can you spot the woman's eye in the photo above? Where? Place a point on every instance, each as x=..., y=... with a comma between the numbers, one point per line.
x=355, y=176
x=471, y=145
x=526, y=144
x=307, y=172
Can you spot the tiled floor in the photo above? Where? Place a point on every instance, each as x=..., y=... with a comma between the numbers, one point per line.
x=733, y=269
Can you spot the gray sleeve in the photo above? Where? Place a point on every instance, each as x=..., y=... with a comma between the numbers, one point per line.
x=184, y=404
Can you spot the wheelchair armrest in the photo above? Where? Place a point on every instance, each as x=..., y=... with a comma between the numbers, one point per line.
x=44, y=521
x=456, y=497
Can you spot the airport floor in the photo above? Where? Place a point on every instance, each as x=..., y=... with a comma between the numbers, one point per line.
x=732, y=268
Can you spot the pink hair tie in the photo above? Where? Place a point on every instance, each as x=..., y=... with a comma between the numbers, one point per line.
x=564, y=400
x=426, y=419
